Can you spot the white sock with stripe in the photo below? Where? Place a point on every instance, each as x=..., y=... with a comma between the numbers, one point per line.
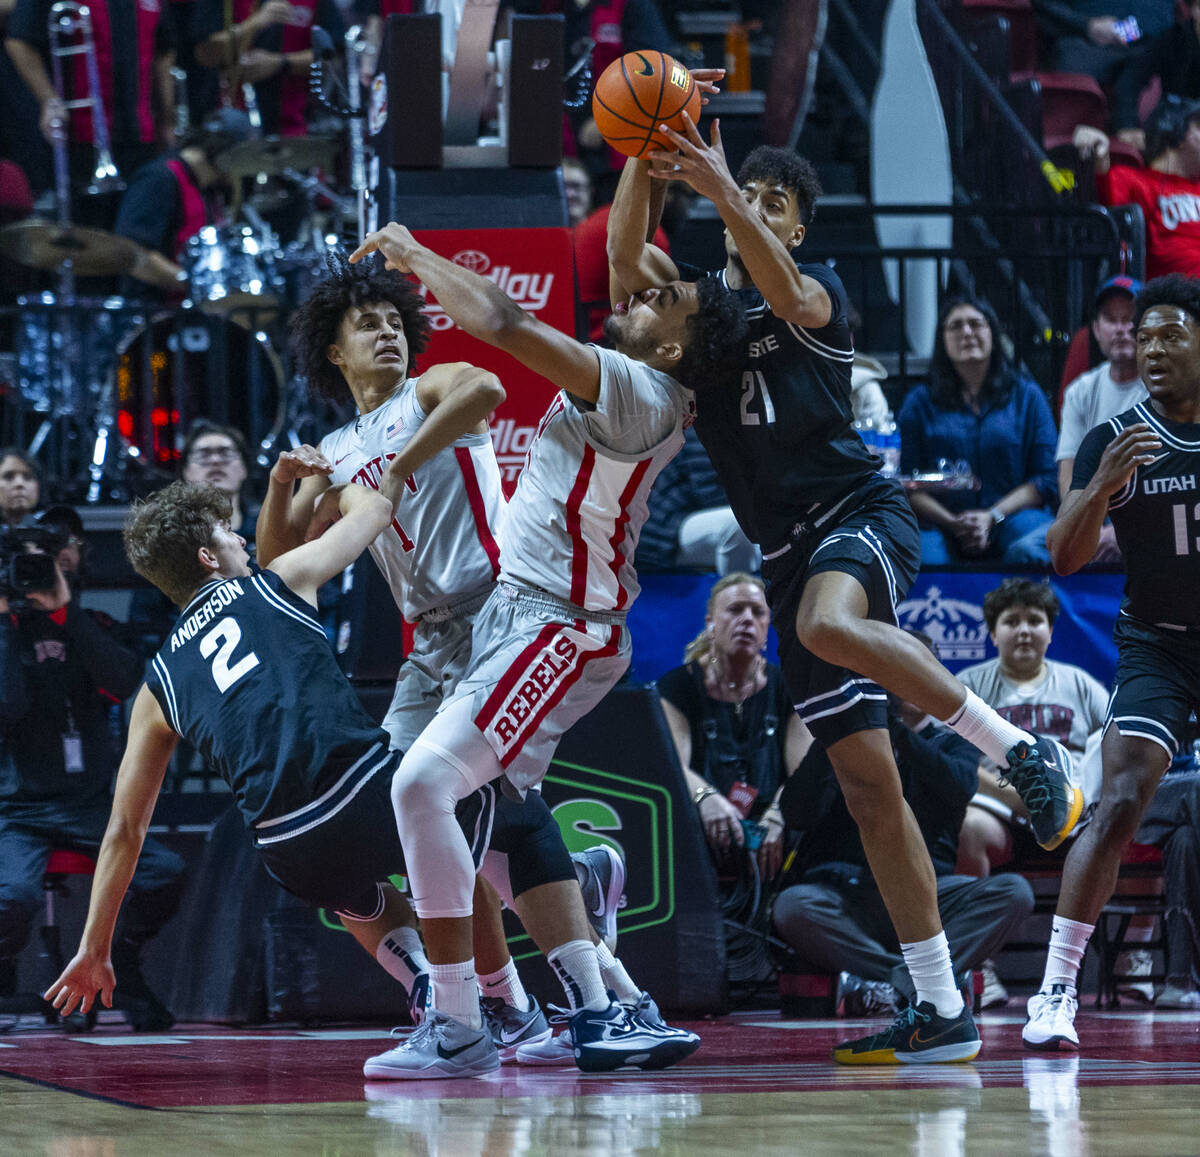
x=402, y=955
x=455, y=992
x=578, y=968
x=613, y=973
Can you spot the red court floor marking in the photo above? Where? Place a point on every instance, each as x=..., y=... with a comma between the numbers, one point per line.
x=206, y=1066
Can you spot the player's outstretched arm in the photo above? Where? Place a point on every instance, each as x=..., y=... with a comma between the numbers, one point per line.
x=457, y=398
x=347, y=519
x=1075, y=533
x=286, y=510
x=635, y=263
x=791, y=295
x=139, y=780
x=485, y=312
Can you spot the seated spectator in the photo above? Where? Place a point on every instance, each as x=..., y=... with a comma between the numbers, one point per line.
x=1026, y=688
x=979, y=409
x=835, y=917
x=1113, y=41
x=690, y=526
x=1172, y=823
x=20, y=486
x=732, y=722
x=1168, y=191
x=1105, y=391
x=217, y=455
x=1179, y=56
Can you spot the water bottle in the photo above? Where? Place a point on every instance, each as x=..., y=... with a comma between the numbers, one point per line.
x=888, y=447
x=870, y=435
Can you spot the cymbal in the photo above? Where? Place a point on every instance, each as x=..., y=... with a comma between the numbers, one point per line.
x=49, y=245
x=274, y=155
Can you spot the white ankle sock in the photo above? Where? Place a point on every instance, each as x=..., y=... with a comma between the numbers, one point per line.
x=613, y=973
x=980, y=724
x=455, y=992
x=929, y=966
x=1068, y=942
x=402, y=955
x=505, y=984
x=578, y=969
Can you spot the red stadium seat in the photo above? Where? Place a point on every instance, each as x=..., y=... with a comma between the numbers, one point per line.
x=1067, y=99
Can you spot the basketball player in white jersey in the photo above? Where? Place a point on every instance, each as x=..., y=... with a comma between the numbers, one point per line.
x=357, y=337
x=551, y=640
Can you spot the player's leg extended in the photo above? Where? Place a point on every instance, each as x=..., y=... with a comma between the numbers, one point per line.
x=1132, y=769
x=832, y=622
x=391, y=938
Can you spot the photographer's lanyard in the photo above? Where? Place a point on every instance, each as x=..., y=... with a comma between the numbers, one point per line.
x=72, y=746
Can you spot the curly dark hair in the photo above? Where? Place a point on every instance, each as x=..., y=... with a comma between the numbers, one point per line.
x=1172, y=289
x=717, y=334
x=787, y=168
x=163, y=533
x=945, y=386
x=314, y=326
x=1020, y=592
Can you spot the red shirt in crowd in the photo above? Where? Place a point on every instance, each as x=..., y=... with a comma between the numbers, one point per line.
x=1172, y=209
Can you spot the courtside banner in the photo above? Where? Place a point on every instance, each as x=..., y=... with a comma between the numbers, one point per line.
x=535, y=268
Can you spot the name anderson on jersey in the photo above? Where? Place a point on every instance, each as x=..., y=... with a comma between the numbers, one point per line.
x=227, y=593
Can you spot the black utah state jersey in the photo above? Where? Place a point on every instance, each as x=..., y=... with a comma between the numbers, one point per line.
x=248, y=677
x=1156, y=516
x=784, y=445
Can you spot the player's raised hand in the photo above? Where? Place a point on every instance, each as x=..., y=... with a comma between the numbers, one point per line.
x=396, y=244
x=1135, y=446
x=302, y=462
x=706, y=80
x=701, y=165
x=85, y=976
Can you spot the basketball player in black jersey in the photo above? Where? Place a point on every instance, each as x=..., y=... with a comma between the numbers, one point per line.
x=840, y=548
x=1142, y=469
x=248, y=677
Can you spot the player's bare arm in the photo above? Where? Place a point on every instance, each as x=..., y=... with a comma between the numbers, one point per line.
x=634, y=262
x=139, y=780
x=1075, y=533
x=485, y=312
x=348, y=518
x=790, y=294
x=286, y=509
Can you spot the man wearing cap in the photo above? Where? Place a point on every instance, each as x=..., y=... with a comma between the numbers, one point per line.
x=1104, y=391
x=1168, y=192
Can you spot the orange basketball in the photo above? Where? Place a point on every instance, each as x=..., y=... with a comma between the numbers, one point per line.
x=639, y=92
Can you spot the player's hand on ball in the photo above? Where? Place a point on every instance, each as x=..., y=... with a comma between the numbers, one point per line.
x=302, y=462
x=79, y=983
x=396, y=244
x=701, y=165
x=706, y=80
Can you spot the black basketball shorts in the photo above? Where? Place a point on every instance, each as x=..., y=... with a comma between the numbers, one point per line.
x=877, y=543
x=1157, y=684
x=528, y=834
x=342, y=862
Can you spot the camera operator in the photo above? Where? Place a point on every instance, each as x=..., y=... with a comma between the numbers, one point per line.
x=62, y=670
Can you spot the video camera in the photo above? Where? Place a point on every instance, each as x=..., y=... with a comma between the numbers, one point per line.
x=27, y=555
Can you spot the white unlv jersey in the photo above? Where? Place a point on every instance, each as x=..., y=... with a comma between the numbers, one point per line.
x=442, y=544
x=580, y=503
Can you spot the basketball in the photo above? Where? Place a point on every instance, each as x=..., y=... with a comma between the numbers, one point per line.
x=639, y=92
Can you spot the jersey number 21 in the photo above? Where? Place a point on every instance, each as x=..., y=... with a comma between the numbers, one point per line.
x=755, y=385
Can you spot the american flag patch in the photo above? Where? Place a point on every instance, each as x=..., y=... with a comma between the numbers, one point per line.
x=394, y=428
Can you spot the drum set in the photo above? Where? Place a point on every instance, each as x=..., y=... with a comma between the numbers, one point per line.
x=110, y=385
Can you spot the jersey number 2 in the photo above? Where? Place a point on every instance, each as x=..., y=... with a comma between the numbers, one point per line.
x=754, y=383
x=219, y=645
